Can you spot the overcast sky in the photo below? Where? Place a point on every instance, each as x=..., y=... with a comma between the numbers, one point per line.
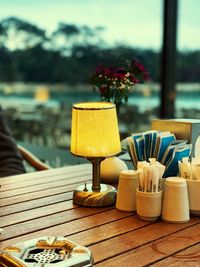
x=134, y=22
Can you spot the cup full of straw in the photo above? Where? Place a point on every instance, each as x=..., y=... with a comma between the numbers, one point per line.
x=189, y=168
x=149, y=191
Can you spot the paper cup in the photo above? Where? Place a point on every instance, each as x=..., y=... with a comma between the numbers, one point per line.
x=193, y=196
x=126, y=195
x=148, y=205
x=175, y=201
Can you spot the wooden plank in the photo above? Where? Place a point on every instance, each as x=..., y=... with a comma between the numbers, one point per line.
x=159, y=249
x=46, y=186
x=45, y=180
x=109, y=230
x=187, y=257
x=35, y=213
x=36, y=195
x=70, y=227
x=35, y=203
x=134, y=239
x=48, y=221
x=47, y=173
x=44, y=207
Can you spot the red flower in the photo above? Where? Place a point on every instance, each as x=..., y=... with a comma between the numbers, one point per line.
x=107, y=71
x=114, y=83
x=119, y=75
x=121, y=72
x=103, y=90
x=138, y=65
x=146, y=76
x=133, y=79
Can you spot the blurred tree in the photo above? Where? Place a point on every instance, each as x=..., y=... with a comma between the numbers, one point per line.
x=188, y=66
x=19, y=34
x=37, y=64
x=8, y=69
x=72, y=53
x=91, y=36
x=64, y=37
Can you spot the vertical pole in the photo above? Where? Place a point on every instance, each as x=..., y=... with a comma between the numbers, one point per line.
x=168, y=74
x=96, y=162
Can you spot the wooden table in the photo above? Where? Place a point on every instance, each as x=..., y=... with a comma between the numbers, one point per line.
x=40, y=204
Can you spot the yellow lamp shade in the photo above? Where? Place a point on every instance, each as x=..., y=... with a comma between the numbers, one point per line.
x=94, y=131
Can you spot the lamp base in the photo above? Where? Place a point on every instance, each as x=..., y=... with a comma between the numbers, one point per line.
x=85, y=196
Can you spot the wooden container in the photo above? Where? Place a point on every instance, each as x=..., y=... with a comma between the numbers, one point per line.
x=186, y=129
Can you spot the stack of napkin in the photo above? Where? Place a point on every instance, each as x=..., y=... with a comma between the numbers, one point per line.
x=160, y=145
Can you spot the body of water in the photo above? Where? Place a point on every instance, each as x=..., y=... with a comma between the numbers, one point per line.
x=144, y=103
x=137, y=118
x=144, y=97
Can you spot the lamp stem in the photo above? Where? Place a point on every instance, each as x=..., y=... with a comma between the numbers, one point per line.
x=96, y=162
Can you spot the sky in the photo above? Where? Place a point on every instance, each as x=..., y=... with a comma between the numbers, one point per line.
x=133, y=22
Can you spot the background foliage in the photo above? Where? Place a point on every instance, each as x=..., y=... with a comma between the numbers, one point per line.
x=71, y=53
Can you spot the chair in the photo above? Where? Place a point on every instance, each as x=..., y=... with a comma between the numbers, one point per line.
x=32, y=160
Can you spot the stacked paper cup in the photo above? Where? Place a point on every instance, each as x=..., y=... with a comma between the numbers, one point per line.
x=175, y=201
x=126, y=196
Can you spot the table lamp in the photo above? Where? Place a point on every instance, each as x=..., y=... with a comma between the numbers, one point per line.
x=95, y=136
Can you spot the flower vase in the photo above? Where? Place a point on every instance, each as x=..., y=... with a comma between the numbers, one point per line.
x=118, y=108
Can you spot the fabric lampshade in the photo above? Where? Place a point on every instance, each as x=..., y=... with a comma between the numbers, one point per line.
x=94, y=131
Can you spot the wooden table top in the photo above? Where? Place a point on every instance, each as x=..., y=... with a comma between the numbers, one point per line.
x=40, y=204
